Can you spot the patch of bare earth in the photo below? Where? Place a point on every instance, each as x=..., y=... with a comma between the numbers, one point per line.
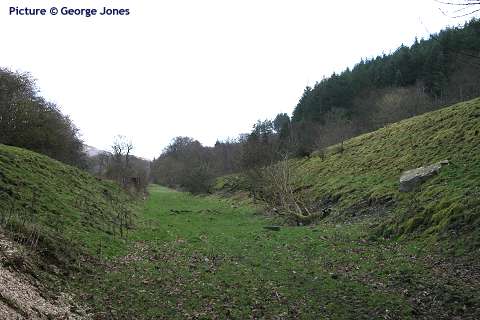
x=24, y=297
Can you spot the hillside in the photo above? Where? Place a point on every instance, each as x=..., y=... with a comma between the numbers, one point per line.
x=362, y=181
x=53, y=218
x=364, y=178
x=59, y=204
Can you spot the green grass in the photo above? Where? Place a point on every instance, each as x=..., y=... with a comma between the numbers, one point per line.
x=367, y=172
x=214, y=260
x=69, y=210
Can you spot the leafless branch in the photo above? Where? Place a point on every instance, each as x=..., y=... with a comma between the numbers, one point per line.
x=465, y=5
x=462, y=3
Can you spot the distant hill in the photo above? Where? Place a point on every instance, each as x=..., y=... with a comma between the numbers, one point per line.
x=92, y=151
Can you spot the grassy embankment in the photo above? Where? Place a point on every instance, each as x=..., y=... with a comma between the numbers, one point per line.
x=362, y=181
x=60, y=211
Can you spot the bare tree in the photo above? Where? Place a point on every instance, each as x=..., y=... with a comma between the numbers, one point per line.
x=121, y=149
x=278, y=192
x=462, y=8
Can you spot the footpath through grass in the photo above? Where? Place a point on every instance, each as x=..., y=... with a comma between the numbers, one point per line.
x=207, y=258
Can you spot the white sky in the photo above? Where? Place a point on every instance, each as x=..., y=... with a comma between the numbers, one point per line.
x=206, y=69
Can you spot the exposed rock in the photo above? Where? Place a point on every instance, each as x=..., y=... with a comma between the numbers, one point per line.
x=22, y=297
x=410, y=179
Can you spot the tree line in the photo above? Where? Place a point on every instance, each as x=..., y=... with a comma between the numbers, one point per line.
x=428, y=75
x=28, y=121
x=186, y=164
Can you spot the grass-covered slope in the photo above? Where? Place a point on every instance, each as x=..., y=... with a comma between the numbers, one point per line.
x=365, y=175
x=363, y=179
x=56, y=208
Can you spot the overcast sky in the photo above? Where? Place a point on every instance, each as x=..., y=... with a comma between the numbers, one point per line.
x=200, y=68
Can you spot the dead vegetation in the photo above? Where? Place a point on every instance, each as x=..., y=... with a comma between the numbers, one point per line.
x=280, y=193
